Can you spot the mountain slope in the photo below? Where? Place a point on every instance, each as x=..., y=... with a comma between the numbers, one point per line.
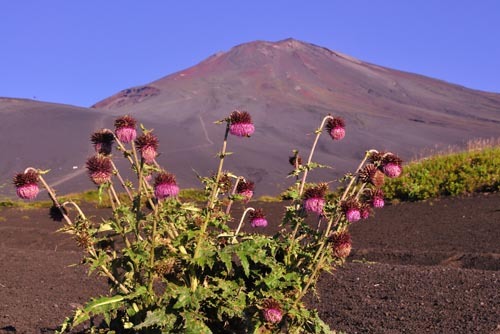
x=288, y=86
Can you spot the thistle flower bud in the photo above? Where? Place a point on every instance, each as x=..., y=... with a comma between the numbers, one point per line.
x=352, y=210
x=147, y=144
x=100, y=169
x=245, y=188
x=241, y=124
x=341, y=243
x=258, y=219
x=391, y=165
x=271, y=311
x=314, y=198
x=27, y=184
x=165, y=185
x=103, y=141
x=125, y=129
x=336, y=128
x=371, y=174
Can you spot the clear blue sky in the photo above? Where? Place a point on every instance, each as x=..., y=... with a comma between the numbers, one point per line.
x=79, y=52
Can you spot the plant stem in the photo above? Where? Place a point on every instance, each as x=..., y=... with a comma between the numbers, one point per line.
x=122, y=181
x=228, y=209
x=241, y=223
x=222, y=155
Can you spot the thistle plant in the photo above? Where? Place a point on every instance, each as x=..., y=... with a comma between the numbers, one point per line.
x=178, y=267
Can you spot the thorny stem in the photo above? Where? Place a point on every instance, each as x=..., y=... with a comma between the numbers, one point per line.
x=52, y=195
x=222, y=155
x=228, y=209
x=241, y=223
x=115, y=195
x=110, y=195
x=117, y=173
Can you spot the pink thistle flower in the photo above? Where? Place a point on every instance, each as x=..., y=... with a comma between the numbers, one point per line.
x=336, y=128
x=27, y=184
x=147, y=144
x=103, y=141
x=314, y=198
x=341, y=243
x=377, y=198
x=258, y=219
x=391, y=165
x=241, y=124
x=245, y=188
x=272, y=311
x=100, y=169
x=125, y=129
x=352, y=210
x=165, y=185
x=365, y=211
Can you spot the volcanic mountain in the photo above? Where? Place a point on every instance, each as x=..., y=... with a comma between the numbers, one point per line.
x=287, y=87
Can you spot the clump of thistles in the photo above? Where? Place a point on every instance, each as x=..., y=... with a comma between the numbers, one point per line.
x=257, y=218
x=336, y=128
x=165, y=185
x=271, y=311
x=371, y=174
x=341, y=243
x=352, y=210
x=103, y=141
x=100, y=169
x=314, y=198
x=27, y=184
x=240, y=124
x=125, y=129
x=147, y=144
x=245, y=188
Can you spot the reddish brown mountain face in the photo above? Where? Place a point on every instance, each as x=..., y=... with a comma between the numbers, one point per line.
x=287, y=87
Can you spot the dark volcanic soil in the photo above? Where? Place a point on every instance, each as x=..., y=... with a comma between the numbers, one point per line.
x=428, y=267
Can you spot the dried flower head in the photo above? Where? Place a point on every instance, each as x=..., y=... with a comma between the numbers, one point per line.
x=392, y=165
x=295, y=161
x=352, y=209
x=245, y=188
x=125, y=129
x=147, y=144
x=336, y=128
x=100, y=169
x=258, y=219
x=225, y=182
x=165, y=185
x=314, y=198
x=341, y=243
x=27, y=184
x=241, y=124
x=271, y=311
x=103, y=141
x=371, y=174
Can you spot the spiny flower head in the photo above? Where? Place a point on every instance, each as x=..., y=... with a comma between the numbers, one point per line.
x=125, y=129
x=352, y=209
x=100, y=169
x=271, y=311
x=241, y=124
x=341, y=243
x=377, y=198
x=314, y=198
x=225, y=182
x=103, y=141
x=258, y=219
x=165, y=185
x=27, y=184
x=245, y=188
x=371, y=174
x=336, y=128
x=147, y=144
x=392, y=165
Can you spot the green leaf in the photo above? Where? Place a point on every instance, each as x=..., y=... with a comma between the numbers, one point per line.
x=158, y=318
